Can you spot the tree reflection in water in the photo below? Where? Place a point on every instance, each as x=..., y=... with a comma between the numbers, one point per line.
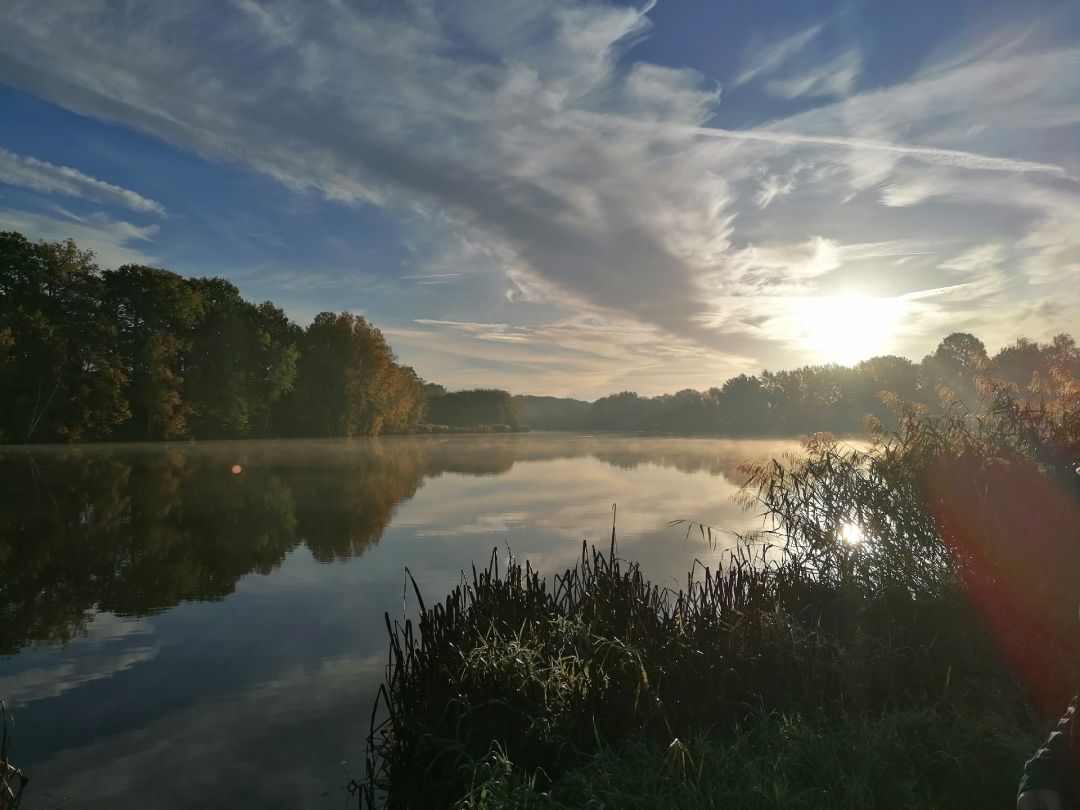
x=137, y=529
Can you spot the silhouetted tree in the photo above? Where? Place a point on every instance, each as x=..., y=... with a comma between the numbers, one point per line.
x=60, y=374
x=156, y=313
x=348, y=383
x=482, y=406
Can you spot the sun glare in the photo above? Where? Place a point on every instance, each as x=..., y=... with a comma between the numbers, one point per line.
x=848, y=328
x=851, y=533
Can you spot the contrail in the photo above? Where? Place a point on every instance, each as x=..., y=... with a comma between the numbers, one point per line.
x=930, y=154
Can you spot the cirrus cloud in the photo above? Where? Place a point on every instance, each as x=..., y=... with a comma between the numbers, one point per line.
x=601, y=187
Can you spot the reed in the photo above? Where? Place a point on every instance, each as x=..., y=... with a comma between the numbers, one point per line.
x=551, y=672
x=913, y=594
x=12, y=780
x=902, y=759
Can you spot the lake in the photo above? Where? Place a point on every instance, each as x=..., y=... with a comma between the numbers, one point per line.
x=201, y=625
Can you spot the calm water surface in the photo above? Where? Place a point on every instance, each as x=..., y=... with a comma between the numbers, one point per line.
x=177, y=634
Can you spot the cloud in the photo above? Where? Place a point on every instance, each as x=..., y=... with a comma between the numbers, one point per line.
x=834, y=78
x=114, y=242
x=433, y=278
x=957, y=158
x=791, y=268
x=39, y=175
x=977, y=260
x=594, y=185
x=773, y=186
x=802, y=66
x=112, y=645
x=814, y=257
x=584, y=357
x=899, y=195
x=767, y=59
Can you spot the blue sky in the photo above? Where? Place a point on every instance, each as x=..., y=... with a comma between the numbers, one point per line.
x=570, y=197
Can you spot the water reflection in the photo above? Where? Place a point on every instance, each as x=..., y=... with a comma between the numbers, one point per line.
x=136, y=529
x=221, y=628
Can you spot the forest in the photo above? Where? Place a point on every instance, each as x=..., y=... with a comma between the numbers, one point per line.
x=809, y=399
x=142, y=353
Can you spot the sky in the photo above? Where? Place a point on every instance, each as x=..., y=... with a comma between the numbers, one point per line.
x=568, y=197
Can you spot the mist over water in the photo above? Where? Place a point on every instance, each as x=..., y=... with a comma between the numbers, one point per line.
x=204, y=622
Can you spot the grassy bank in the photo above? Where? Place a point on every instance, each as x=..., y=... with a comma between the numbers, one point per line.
x=899, y=638
x=521, y=692
x=901, y=759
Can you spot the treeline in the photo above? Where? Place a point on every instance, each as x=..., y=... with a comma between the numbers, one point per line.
x=142, y=353
x=481, y=406
x=816, y=398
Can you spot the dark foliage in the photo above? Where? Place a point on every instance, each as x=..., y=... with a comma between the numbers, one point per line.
x=141, y=353
x=832, y=398
x=481, y=406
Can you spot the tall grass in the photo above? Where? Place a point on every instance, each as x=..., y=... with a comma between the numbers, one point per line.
x=12, y=780
x=552, y=672
x=894, y=667
x=903, y=759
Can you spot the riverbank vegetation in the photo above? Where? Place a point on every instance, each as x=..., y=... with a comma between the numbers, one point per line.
x=897, y=636
x=141, y=353
x=809, y=399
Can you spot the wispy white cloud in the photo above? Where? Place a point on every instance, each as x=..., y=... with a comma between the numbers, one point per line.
x=112, y=645
x=40, y=175
x=766, y=59
x=957, y=158
x=801, y=65
x=585, y=357
x=835, y=78
x=773, y=186
x=524, y=137
x=434, y=278
x=114, y=242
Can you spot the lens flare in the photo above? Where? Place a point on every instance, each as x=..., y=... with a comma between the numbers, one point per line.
x=851, y=533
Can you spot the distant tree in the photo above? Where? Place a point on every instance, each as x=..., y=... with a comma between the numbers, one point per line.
x=961, y=351
x=552, y=413
x=60, y=375
x=784, y=391
x=275, y=362
x=242, y=359
x=432, y=390
x=880, y=379
x=1028, y=367
x=404, y=402
x=219, y=360
x=482, y=406
x=156, y=313
x=954, y=366
x=744, y=406
x=347, y=382
x=143, y=353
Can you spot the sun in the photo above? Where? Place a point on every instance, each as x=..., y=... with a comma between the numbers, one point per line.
x=848, y=328
x=851, y=533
